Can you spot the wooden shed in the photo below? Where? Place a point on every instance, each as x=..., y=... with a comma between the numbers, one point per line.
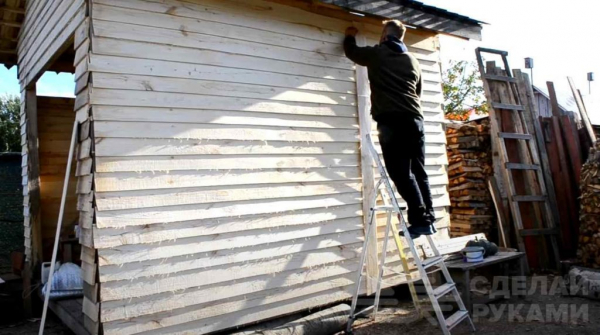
x=219, y=177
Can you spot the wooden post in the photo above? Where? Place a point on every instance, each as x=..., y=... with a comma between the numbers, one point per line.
x=582, y=110
x=366, y=163
x=533, y=124
x=553, y=100
x=32, y=192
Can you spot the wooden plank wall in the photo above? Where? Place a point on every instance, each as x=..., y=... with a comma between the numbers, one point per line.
x=85, y=174
x=55, y=123
x=226, y=163
x=46, y=31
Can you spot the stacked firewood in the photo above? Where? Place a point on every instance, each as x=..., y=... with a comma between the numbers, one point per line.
x=589, y=229
x=469, y=166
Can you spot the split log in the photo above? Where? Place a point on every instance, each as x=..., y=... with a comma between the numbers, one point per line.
x=469, y=166
x=589, y=229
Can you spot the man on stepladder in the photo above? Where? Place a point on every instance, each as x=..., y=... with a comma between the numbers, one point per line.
x=396, y=85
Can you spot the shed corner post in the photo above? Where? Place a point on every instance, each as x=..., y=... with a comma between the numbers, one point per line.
x=366, y=163
x=31, y=188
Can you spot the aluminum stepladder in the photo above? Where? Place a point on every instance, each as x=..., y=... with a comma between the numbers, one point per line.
x=384, y=188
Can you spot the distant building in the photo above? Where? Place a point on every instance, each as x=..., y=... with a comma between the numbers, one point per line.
x=542, y=99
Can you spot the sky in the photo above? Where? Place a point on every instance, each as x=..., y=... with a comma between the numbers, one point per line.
x=561, y=37
x=50, y=84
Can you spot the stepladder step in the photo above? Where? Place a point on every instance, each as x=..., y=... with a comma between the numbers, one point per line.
x=429, y=262
x=520, y=166
x=516, y=136
x=529, y=198
x=456, y=318
x=444, y=289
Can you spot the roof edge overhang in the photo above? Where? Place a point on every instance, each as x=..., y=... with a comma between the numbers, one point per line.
x=416, y=14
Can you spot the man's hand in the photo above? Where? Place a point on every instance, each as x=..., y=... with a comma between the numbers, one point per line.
x=351, y=31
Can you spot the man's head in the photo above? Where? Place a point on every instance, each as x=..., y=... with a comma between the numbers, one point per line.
x=394, y=28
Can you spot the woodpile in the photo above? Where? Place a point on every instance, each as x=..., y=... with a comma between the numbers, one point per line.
x=470, y=164
x=589, y=230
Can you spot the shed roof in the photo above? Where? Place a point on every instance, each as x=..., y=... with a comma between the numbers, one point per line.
x=12, y=14
x=417, y=14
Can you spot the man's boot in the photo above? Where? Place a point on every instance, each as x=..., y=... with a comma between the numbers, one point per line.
x=420, y=224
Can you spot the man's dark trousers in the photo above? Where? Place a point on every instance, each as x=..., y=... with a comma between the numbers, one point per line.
x=402, y=140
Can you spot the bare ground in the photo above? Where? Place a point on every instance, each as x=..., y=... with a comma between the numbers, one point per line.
x=533, y=315
x=402, y=319
x=32, y=326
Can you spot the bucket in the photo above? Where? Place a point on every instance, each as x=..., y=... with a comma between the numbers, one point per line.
x=473, y=254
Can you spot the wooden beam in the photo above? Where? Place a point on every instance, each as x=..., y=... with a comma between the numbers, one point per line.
x=553, y=100
x=10, y=24
x=584, y=115
x=533, y=123
x=8, y=39
x=13, y=10
x=7, y=52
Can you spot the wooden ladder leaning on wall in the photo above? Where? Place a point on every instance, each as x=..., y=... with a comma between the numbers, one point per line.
x=509, y=129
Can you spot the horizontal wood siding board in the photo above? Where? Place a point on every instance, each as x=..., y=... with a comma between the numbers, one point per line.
x=235, y=15
x=190, y=25
x=117, y=56
x=212, y=163
x=193, y=298
x=230, y=162
x=181, y=100
x=227, y=273
x=262, y=312
x=238, y=239
x=180, y=38
x=108, y=238
x=168, y=130
x=116, y=147
x=214, y=88
x=191, y=178
x=183, y=196
x=120, y=218
x=207, y=21
x=252, y=300
x=150, y=269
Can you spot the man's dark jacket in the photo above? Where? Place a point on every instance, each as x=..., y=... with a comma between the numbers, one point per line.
x=394, y=75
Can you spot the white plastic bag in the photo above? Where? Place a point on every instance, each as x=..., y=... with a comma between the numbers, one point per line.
x=67, y=281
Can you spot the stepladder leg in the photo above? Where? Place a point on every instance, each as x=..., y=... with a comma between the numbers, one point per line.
x=382, y=264
x=363, y=257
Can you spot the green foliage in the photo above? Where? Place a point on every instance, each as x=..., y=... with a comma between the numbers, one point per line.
x=463, y=91
x=10, y=109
